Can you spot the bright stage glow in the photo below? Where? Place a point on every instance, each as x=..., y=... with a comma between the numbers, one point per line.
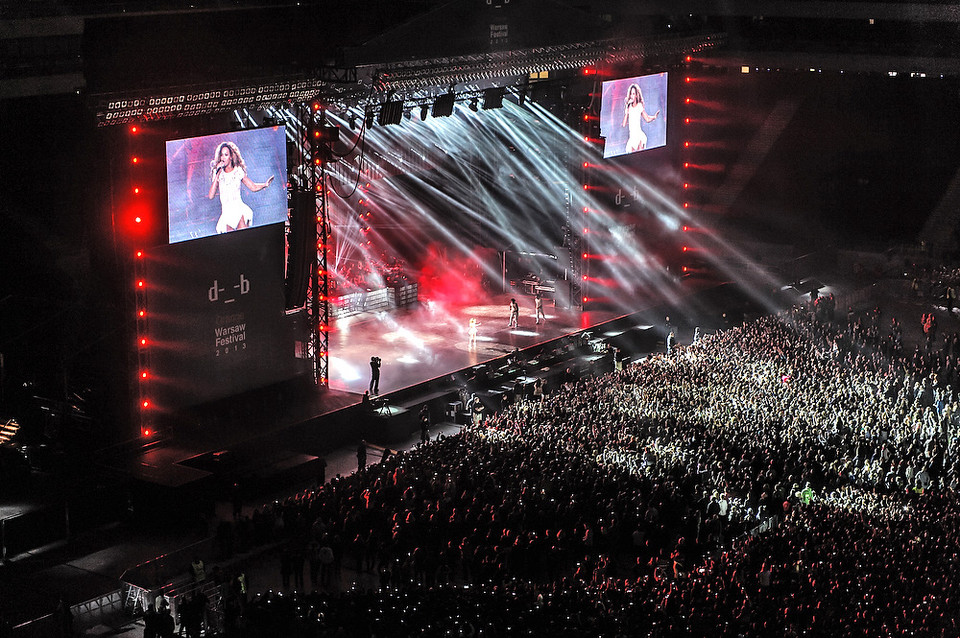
x=345, y=371
x=446, y=196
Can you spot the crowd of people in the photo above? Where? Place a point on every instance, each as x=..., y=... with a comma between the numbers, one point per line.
x=796, y=475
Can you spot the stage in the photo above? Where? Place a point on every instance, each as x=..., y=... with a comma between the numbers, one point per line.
x=430, y=339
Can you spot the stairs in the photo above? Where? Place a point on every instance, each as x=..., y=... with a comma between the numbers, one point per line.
x=8, y=430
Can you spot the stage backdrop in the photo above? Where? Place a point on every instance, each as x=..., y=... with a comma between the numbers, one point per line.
x=190, y=167
x=217, y=325
x=626, y=129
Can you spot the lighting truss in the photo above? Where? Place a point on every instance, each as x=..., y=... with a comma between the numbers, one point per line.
x=419, y=80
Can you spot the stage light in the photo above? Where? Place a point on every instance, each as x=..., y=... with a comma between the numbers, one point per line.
x=688, y=58
x=686, y=120
x=686, y=101
x=686, y=185
x=137, y=219
x=687, y=79
x=443, y=105
x=492, y=98
x=686, y=204
x=146, y=432
x=584, y=255
x=136, y=160
x=686, y=228
x=686, y=164
x=145, y=404
x=140, y=284
x=588, y=70
x=134, y=130
x=142, y=313
x=143, y=342
x=686, y=145
x=136, y=190
x=685, y=248
x=315, y=106
x=390, y=113
x=143, y=375
x=139, y=254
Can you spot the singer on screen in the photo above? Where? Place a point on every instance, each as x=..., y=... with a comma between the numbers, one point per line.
x=227, y=172
x=633, y=116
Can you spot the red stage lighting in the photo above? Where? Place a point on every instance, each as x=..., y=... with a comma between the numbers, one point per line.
x=584, y=255
x=686, y=204
x=584, y=300
x=136, y=190
x=134, y=130
x=143, y=342
x=686, y=120
x=140, y=284
x=135, y=160
x=688, y=58
x=686, y=145
x=685, y=269
x=686, y=228
x=142, y=313
x=686, y=101
x=138, y=219
x=145, y=404
x=315, y=106
x=146, y=432
x=686, y=164
x=686, y=185
x=586, y=164
x=586, y=187
x=143, y=375
x=139, y=254
x=589, y=70
x=687, y=79
x=685, y=248
x=584, y=277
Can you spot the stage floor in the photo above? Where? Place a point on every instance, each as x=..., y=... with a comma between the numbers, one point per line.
x=430, y=340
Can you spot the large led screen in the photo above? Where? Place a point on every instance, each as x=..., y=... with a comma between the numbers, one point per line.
x=221, y=183
x=217, y=324
x=633, y=114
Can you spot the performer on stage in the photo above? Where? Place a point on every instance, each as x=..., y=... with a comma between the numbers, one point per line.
x=514, y=314
x=472, y=333
x=538, y=304
x=375, y=376
x=227, y=172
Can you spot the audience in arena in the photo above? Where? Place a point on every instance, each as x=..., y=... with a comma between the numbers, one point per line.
x=796, y=475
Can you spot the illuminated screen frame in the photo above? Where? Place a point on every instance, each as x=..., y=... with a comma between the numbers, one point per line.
x=615, y=123
x=192, y=214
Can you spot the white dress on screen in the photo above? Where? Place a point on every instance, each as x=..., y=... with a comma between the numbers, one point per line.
x=232, y=208
x=638, y=139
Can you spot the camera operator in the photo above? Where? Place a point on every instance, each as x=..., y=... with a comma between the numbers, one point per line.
x=374, y=376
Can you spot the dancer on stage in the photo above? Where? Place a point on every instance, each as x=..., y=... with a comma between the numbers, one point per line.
x=538, y=304
x=227, y=172
x=514, y=314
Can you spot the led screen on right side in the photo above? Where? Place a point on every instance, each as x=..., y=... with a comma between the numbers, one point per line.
x=633, y=114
